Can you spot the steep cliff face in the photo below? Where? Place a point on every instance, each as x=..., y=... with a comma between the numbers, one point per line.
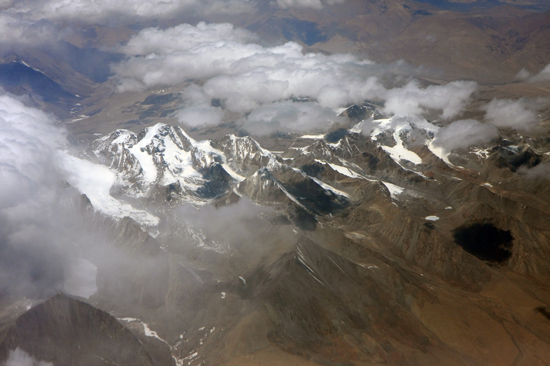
x=66, y=331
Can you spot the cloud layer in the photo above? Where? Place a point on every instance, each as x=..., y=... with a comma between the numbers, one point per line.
x=412, y=99
x=28, y=198
x=16, y=29
x=46, y=244
x=224, y=63
x=49, y=240
x=99, y=11
x=28, y=141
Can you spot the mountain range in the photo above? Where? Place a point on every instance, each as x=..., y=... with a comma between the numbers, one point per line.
x=335, y=182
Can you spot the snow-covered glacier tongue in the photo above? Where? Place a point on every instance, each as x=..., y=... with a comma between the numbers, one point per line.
x=96, y=181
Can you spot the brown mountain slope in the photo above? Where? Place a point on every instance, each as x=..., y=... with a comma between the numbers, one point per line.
x=68, y=332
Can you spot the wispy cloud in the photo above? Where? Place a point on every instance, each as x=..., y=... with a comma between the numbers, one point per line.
x=18, y=357
x=541, y=76
x=464, y=133
x=197, y=109
x=520, y=114
x=540, y=171
x=412, y=99
x=17, y=30
x=46, y=244
x=289, y=116
x=28, y=142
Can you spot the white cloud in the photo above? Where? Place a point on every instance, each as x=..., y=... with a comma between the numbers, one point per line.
x=15, y=29
x=197, y=109
x=27, y=144
x=312, y=4
x=540, y=171
x=413, y=99
x=228, y=66
x=183, y=38
x=200, y=115
x=315, y=4
x=42, y=233
x=6, y=4
x=464, y=133
x=289, y=116
x=543, y=75
x=18, y=357
x=92, y=11
x=234, y=223
x=522, y=75
x=169, y=57
x=520, y=114
x=80, y=278
x=225, y=57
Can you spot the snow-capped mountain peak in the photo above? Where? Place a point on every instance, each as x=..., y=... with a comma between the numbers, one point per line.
x=159, y=156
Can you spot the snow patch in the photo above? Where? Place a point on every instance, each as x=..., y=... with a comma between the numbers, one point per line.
x=481, y=153
x=330, y=188
x=395, y=190
x=341, y=169
x=399, y=151
x=233, y=173
x=146, y=329
x=312, y=137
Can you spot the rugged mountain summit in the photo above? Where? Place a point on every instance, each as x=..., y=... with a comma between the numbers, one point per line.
x=163, y=156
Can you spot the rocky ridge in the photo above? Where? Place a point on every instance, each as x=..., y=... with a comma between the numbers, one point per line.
x=365, y=245
x=382, y=205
